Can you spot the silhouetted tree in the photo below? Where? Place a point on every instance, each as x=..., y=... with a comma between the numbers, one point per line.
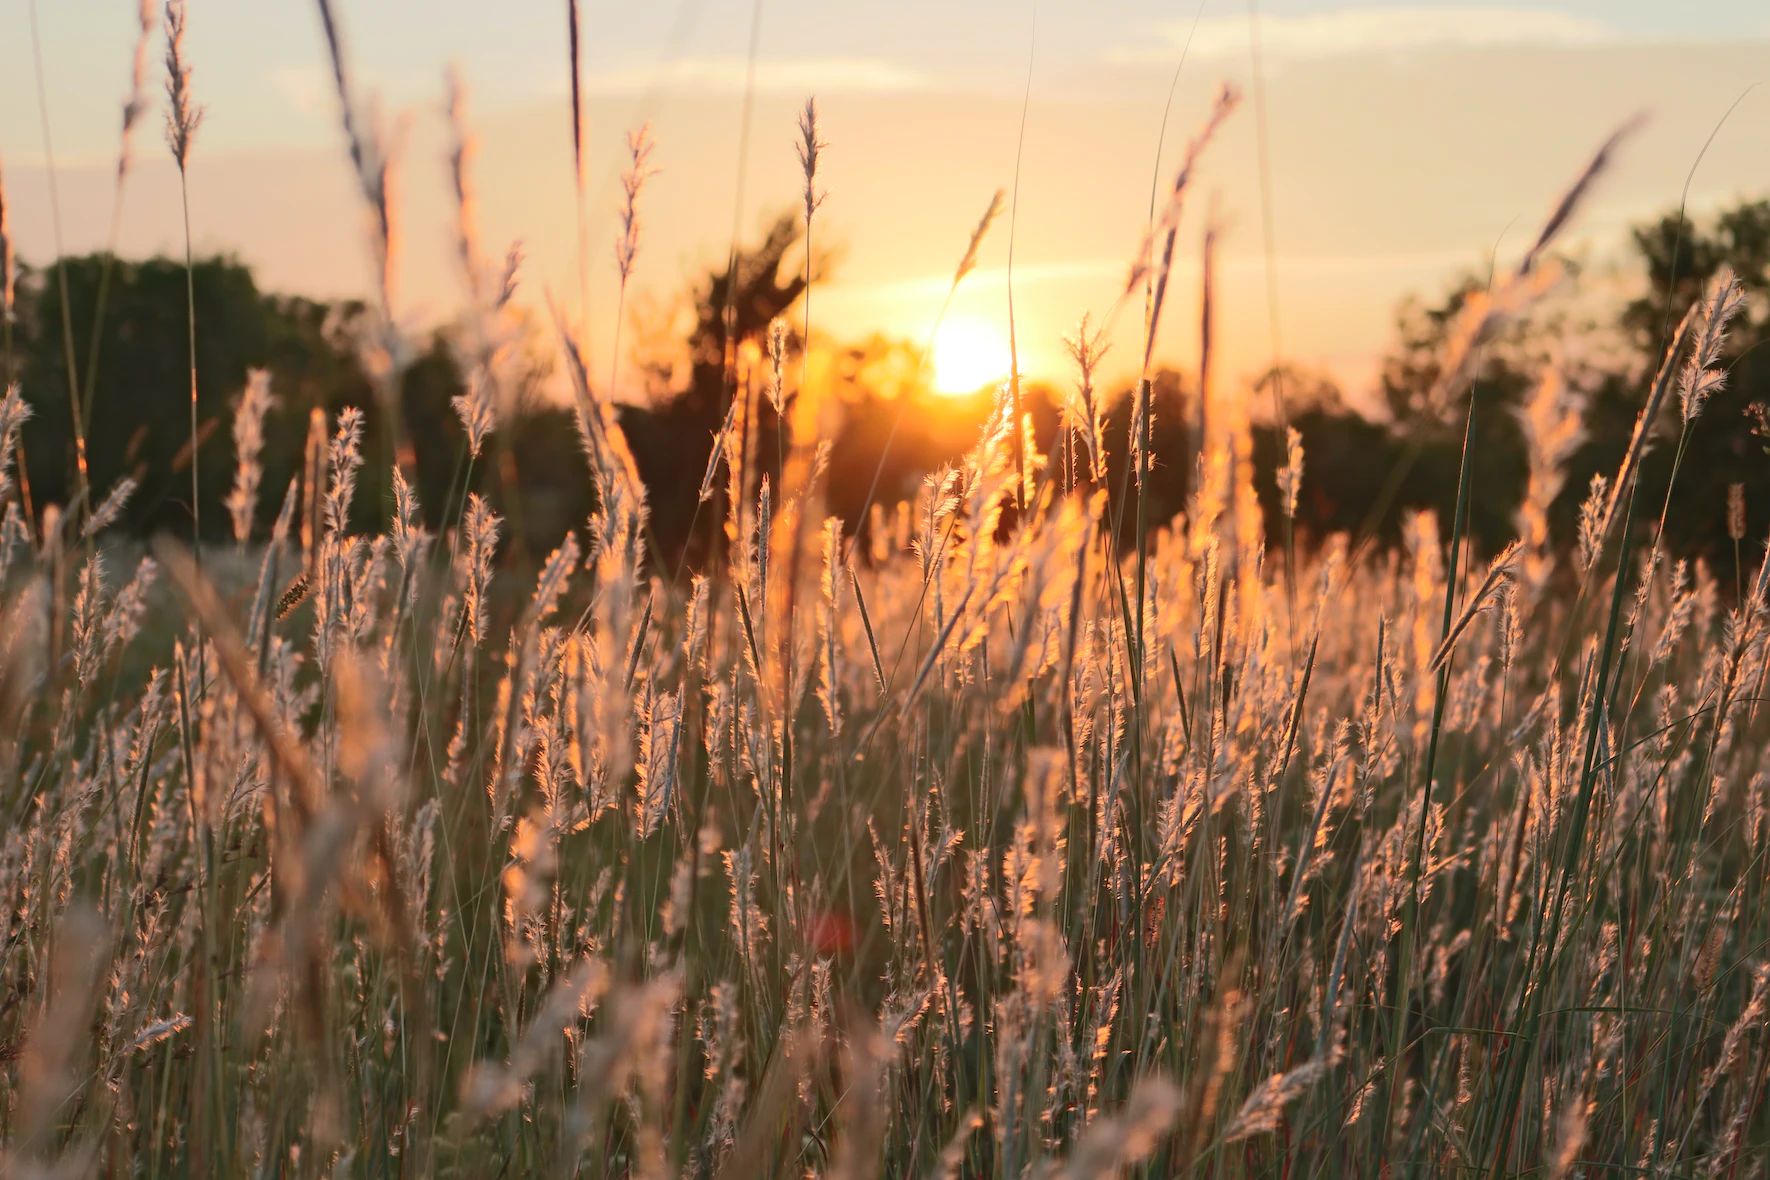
x=1350, y=466
x=1723, y=447
x=1172, y=451
x=137, y=423
x=671, y=440
x=1429, y=461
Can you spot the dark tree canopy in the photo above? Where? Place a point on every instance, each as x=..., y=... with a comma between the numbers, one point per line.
x=1723, y=446
x=672, y=438
x=1361, y=475
x=138, y=424
x=1681, y=256
x=137, y=414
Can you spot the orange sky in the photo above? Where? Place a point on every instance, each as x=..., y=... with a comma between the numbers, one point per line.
x=1397, y=159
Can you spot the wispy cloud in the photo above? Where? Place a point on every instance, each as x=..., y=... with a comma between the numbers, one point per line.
x=795, y=75
x=1373, y=29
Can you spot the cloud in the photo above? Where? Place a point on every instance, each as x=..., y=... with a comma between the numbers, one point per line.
x=1370, y=29
x=795, y=75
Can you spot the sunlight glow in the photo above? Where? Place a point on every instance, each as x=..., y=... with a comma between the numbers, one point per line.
x=969, y=354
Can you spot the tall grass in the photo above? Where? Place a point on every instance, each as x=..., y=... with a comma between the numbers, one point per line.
x=182, y=119
x=935, y=855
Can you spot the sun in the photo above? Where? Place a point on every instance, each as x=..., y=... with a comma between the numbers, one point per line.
x=969, y=354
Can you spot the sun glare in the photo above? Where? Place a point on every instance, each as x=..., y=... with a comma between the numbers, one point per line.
x=967, y=356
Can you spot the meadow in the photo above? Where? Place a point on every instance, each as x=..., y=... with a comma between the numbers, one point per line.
x=970, y=842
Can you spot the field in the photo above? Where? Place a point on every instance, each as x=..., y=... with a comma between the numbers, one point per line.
x=971, y=843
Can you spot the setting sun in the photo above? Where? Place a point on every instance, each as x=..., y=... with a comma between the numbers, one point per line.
x=969, y=354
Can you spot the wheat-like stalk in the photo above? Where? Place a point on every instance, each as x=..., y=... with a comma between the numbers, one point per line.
x=183, y=115
x=255, y=401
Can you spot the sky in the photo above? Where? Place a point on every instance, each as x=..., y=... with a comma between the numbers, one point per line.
x=1405, y=144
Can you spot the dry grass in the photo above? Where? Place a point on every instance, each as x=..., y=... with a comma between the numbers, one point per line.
x=961, y=851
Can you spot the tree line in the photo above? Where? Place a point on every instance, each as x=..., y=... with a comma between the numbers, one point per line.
x=1363, y=474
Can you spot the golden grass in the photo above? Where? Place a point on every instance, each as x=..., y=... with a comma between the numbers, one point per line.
x=963, y=851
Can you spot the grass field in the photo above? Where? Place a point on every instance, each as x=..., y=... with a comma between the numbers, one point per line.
x=977, y=845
